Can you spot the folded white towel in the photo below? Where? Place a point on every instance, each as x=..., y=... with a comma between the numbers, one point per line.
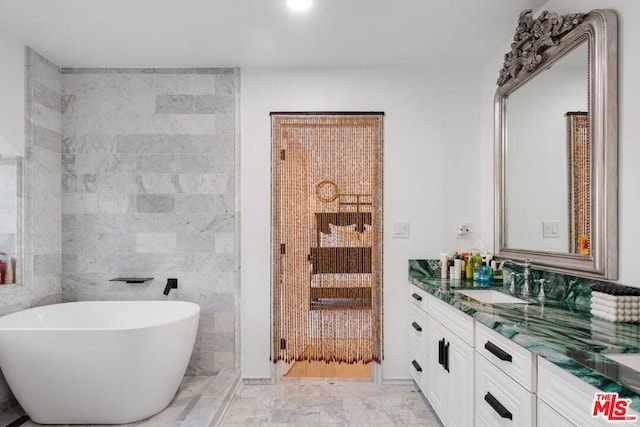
x=614, y=309
x=603, y=296
x=615, y=317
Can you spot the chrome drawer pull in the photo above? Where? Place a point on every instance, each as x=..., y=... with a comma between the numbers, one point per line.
x=497, y=406
x=417, y=297
x=416, y=327
x=498, y=352
x=416, y=365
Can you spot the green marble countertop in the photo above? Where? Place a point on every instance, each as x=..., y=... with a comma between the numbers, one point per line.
x=560, y=329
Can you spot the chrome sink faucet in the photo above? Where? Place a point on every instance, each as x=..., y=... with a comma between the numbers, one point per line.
x=526, y=264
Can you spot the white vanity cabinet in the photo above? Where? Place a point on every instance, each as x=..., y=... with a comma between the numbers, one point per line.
x=474, y=376
x=450, y=364
x=565, y=397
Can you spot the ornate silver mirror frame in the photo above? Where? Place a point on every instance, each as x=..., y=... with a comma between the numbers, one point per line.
x=537, y=44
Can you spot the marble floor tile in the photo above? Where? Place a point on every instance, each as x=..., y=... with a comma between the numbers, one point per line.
x=329, y=403
x=199, y=402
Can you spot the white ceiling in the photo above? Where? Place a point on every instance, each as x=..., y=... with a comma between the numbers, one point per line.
x=175, y=33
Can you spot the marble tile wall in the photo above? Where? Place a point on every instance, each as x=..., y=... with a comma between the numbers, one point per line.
x=38, y=273
x=42, y=170
x=43, y=191
x=149, y=170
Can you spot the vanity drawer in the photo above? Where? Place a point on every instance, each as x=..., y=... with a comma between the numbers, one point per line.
x=512, y=359
x=418, y=297
x=570, y=396
x=418, y=327
x=548, y=417
x=418, y=365
x=500, y=401
x=456, y=321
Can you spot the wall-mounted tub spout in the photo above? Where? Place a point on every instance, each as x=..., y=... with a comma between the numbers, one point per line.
x=171, y=284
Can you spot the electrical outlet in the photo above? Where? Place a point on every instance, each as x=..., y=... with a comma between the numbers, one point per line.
x=463, y=231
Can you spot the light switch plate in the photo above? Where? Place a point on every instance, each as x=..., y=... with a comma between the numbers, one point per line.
x=400, y=230
x=550, y=229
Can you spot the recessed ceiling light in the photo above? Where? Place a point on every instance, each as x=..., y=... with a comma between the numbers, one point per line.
x=299, y=5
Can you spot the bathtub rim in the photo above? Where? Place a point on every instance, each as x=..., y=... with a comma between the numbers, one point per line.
x=195, y=311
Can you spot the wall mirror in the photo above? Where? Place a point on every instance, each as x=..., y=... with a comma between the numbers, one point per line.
x=556, y=149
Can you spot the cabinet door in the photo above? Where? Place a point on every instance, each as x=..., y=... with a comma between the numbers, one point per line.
x=461, y=381
x=437, y=376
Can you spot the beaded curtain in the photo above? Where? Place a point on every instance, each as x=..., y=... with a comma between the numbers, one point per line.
x=579, y=180
x=327, y=166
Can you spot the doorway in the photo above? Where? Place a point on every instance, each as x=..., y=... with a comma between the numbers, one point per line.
x=327, y=243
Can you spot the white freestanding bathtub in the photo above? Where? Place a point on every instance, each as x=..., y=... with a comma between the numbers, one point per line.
x=102, y=362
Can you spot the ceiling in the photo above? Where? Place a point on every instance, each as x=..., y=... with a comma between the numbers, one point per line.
x=180, y=33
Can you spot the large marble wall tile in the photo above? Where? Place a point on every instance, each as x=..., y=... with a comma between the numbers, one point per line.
x=199, y=242
x=43, y=137
x=72, y=143
x=197, y=202
x=47, y=118
x=148, y=173
x=47, y=263
x=214, y=104
x=80, y=203
x=84, y=183
x=158, y=183
x=176, y=144
x=161, y=163
x=226, y=84
x=175, y=104
x=225, y=243
x=40, y=71
x=221, y=163
x=206, y=183
x=116, y=202
x=158, y=243
x=47, y=96
x=155, y=203
x=214, y=143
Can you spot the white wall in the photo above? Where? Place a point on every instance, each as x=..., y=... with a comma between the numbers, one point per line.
x=431, y=166
x=11, y=96
x=629, y=127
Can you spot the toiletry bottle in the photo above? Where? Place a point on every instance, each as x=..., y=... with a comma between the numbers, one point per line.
x=444, y=267
x=457, y=269
x=8, y=274
x=469, y=267
x=3, y=269
x=477, y=263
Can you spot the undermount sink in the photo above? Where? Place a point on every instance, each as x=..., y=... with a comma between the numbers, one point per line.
x=491, y=296
x=631, y=360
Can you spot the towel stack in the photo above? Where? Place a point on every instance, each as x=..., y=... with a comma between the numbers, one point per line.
x=616, y=303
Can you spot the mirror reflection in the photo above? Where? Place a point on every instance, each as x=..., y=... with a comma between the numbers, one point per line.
x=547, y=158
